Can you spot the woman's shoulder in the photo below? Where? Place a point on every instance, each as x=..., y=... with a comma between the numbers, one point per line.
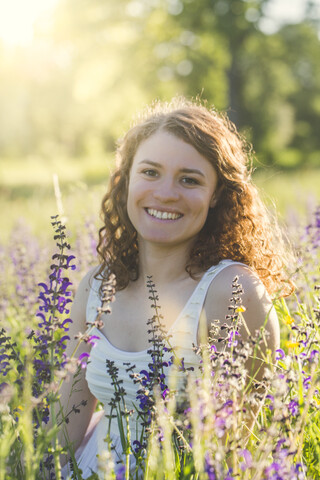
x=227, y=271
x=240, y=280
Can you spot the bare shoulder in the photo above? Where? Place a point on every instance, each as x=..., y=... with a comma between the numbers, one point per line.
x=259, y=310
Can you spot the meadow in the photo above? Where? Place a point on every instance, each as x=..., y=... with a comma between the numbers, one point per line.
x=209, y=432
x=71, y=79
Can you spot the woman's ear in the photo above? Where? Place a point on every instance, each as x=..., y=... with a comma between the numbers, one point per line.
x=215, y=197
x=213, y=201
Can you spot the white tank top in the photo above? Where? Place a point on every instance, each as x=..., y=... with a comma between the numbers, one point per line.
x=183, y=337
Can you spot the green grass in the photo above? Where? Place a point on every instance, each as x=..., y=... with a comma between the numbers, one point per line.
x=289, y=191
x=27, y=192
x=21, y=174
x=79, y=202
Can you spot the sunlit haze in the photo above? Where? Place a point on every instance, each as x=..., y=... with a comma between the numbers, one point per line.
x=18, y=19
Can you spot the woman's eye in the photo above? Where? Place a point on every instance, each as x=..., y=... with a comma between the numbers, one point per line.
x=189, y=181
x=150, y=172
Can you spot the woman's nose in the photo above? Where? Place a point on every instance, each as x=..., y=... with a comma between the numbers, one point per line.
x=166, y=191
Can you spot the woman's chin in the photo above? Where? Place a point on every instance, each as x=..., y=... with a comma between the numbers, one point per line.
x=163, y=241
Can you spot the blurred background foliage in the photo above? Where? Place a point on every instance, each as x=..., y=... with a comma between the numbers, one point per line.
x=69, y=95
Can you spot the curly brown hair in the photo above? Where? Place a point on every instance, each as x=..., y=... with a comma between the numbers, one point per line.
x=239, y=226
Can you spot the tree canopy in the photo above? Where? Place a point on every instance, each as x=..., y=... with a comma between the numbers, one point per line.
x=75, y=91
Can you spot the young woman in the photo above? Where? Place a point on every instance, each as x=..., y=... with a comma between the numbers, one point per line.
x=180, y=208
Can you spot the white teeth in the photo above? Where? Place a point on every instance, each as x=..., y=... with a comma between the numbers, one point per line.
x=163, y=215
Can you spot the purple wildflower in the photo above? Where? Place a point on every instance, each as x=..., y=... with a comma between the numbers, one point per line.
x=209, y=467
x=55, y=298
x=306, y=382
x=121, y=472
x=83, y=358
x=232, y=341
x=270, y=401
x=91, y=340
x=247, y=460
x=293, y=408
x=280, y=354
x=314, y=355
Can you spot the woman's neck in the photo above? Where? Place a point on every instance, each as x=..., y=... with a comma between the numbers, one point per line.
x=163, y=264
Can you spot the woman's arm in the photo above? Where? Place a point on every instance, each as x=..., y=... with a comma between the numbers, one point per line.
x=80, y=393
x=259, y=310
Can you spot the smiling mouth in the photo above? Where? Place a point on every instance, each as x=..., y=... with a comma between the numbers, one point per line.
x=163, y=215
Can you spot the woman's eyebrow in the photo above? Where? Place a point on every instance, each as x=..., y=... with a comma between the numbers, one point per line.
x=192, y=170
x=150, y=162
x=183, y=170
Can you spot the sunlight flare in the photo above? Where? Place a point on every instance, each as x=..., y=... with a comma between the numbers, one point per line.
x=19, y=17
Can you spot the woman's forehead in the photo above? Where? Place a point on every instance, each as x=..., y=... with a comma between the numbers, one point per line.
x=163, y=147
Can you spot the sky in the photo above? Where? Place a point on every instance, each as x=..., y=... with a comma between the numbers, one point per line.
x=284, y=11
x=18, y=17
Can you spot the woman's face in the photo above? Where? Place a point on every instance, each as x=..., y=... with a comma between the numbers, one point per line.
x=171, y=188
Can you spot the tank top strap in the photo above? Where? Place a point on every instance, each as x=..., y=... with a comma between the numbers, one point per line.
x=190, y=317
x=94, y=300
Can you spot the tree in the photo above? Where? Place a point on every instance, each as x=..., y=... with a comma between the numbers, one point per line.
x=107, y=59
